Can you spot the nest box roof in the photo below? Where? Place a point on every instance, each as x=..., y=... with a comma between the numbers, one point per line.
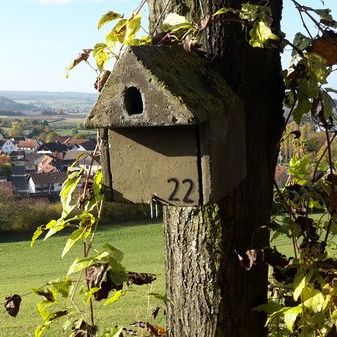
x=153, y=85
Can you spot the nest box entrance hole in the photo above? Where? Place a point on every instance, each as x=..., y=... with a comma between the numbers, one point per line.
x=133, y=101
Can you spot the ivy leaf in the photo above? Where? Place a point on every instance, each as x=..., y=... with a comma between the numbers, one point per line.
x=108, y=17
x=114, y=298
x=260, y=34
x=290, y=316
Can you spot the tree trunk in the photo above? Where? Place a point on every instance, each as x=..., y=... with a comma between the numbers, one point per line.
x=211, y=294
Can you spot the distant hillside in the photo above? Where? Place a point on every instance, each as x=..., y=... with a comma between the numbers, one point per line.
x=7, y=104
x=67, y=101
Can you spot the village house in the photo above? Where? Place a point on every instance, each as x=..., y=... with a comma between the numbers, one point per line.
x=28, y=145
x=46, y=183
x=7, y=146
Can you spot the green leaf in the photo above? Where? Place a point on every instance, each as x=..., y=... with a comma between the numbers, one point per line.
x=260, y=34
x=108, y=17
x=61, y=287
x=249, y=12
x=223, y=10
x=98, y=185
x=302, y=108
x=68, y=187
x=301, y=280
x=317, y=67
x=76, y=235
x=88, y=294
x=54, y=226
x=114, y=332
x=114, y=298
x=290, y=316
x=118, y=32
x=269, y=308
x=115, y=253
x=37, y=234
x=42, y=309
x=41, y=329
x=118, y=273
x=299, y=168
x=160, y=297
x=301, y=42
x=313, y=299
x=328, y=104
x=331, y=90
x=132, y=28
x=80, y=264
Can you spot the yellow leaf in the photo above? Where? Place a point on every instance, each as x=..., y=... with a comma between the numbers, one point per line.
x=132, y=28
x=108, y=17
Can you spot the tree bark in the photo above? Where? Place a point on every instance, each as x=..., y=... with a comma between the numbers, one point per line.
x=211, y=294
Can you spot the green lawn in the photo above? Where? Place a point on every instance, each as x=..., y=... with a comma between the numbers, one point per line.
x=24, y=268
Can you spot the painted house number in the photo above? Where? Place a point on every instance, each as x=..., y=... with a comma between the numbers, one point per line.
x=176, y=188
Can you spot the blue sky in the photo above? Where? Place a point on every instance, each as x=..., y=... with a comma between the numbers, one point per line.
x=39, y=38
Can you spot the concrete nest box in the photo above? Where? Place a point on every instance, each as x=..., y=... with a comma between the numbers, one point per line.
x=174, y=129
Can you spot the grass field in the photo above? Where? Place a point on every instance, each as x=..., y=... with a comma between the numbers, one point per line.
x=24, y=268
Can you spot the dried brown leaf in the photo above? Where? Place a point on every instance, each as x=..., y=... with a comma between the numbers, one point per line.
x=12, y=304
x=101, y=80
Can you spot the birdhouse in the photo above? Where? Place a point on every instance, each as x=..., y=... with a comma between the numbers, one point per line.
x=174, y=130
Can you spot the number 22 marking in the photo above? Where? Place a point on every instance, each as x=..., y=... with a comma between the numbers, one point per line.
x=173, y=195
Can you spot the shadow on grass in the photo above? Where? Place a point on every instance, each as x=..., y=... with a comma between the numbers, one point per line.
x=7, y=236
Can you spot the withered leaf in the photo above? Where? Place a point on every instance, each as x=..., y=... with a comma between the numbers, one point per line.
x=250, y=258
x=205, y=22
x=326, y=46
x=296, y=133
x=140, y=278
x=81, y=57
x=155, y=312
x=82, y=329
x=154, y=330
x=48, y=295
x=190, y=43
x=130, y=332
x=57, y=314
x=162, y=39
x=101, y=80
x=12, y=304
x=98, y=276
